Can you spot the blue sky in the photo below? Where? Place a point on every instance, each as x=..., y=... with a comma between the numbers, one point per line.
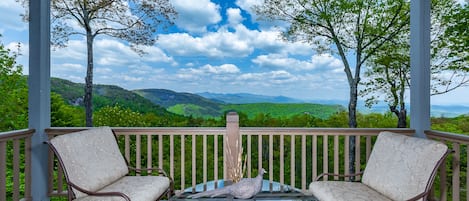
x=215, y=46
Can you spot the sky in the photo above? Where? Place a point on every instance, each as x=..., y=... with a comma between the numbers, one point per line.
x=215, y=46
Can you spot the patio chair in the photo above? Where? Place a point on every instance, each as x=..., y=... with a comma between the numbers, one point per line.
x=399, y=168
x=95, y=169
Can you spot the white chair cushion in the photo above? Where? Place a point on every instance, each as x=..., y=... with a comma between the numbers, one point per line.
x=344, y=191
x=400, y=166
x=138, y=188
x=92, y=158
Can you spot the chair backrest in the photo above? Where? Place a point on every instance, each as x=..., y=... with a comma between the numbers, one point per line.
x=91, y=158
x=402, y=167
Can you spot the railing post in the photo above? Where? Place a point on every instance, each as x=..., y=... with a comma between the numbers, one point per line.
x=232, y=146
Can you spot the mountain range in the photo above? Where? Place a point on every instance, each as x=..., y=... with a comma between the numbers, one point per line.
x=168, y=102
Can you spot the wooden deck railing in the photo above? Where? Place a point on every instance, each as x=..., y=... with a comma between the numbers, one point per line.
x=453, y=176
x=292, y=156
x=15, y=165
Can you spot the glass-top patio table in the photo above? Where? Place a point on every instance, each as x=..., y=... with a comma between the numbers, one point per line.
x=264, y=196
x=270, y=191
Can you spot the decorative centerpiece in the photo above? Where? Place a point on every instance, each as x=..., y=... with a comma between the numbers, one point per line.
x=244, y=189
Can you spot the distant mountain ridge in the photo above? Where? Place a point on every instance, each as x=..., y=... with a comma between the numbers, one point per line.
x=241, y=98
x=210, y=105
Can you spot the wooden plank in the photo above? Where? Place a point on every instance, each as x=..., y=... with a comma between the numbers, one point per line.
x=325, y=156
x=443, y=180
x=149, y=153
x=171, y=156
x=368, y=147
x=292, y=161
x=259, y=152
x=271, y=162
x=336, y=156
x=346, y=155
x=357, y=156
x=27, y=169
x=16, y=169
x=183, y=161
x=160, y=151
x=194, y=164
x=315, y=157
x=204, y=162
x=3, y=162
x=215, y=159
x=50, y=181
x=456, y=171
x=138, y=153
x=249, y=162
x=303, y=162
x=282, y=162
x=127, y=148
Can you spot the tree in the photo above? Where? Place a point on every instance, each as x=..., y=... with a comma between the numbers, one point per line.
x=13, y=101
x=63, y=114
x=134, y=21
x=119, y=117
x=353, y=30
x=388, y=72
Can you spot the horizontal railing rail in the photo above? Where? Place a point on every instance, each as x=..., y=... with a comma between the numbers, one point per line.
x=15, y=165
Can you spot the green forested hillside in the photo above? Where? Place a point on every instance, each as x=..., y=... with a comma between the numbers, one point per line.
x=105, y=95
x=285, y=109
x=168, y=98
x=275, y=110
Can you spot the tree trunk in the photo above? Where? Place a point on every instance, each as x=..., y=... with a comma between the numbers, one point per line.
x=401, y=115
x=89, y=81
x=402, y=118
x=352, y=114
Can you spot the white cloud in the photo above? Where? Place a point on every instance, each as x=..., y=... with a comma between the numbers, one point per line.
x=195, y=16
x=208, y=70
x=75, y=50
x=234, y=16
x=279, y=61
x=247, y=6
x=71, y=71
x=224, y=43
x=328, y=61
x=214, y=44
x=268, y=78
x=11, y=19
x=104, y=70
x=145, y=70
x=110, y=52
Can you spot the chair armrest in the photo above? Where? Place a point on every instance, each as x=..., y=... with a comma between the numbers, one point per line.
x=419, y=196
x=338, y=175
x=98, y=193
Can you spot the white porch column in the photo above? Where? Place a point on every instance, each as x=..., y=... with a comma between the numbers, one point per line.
x=39, y=94
x=420, y=66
